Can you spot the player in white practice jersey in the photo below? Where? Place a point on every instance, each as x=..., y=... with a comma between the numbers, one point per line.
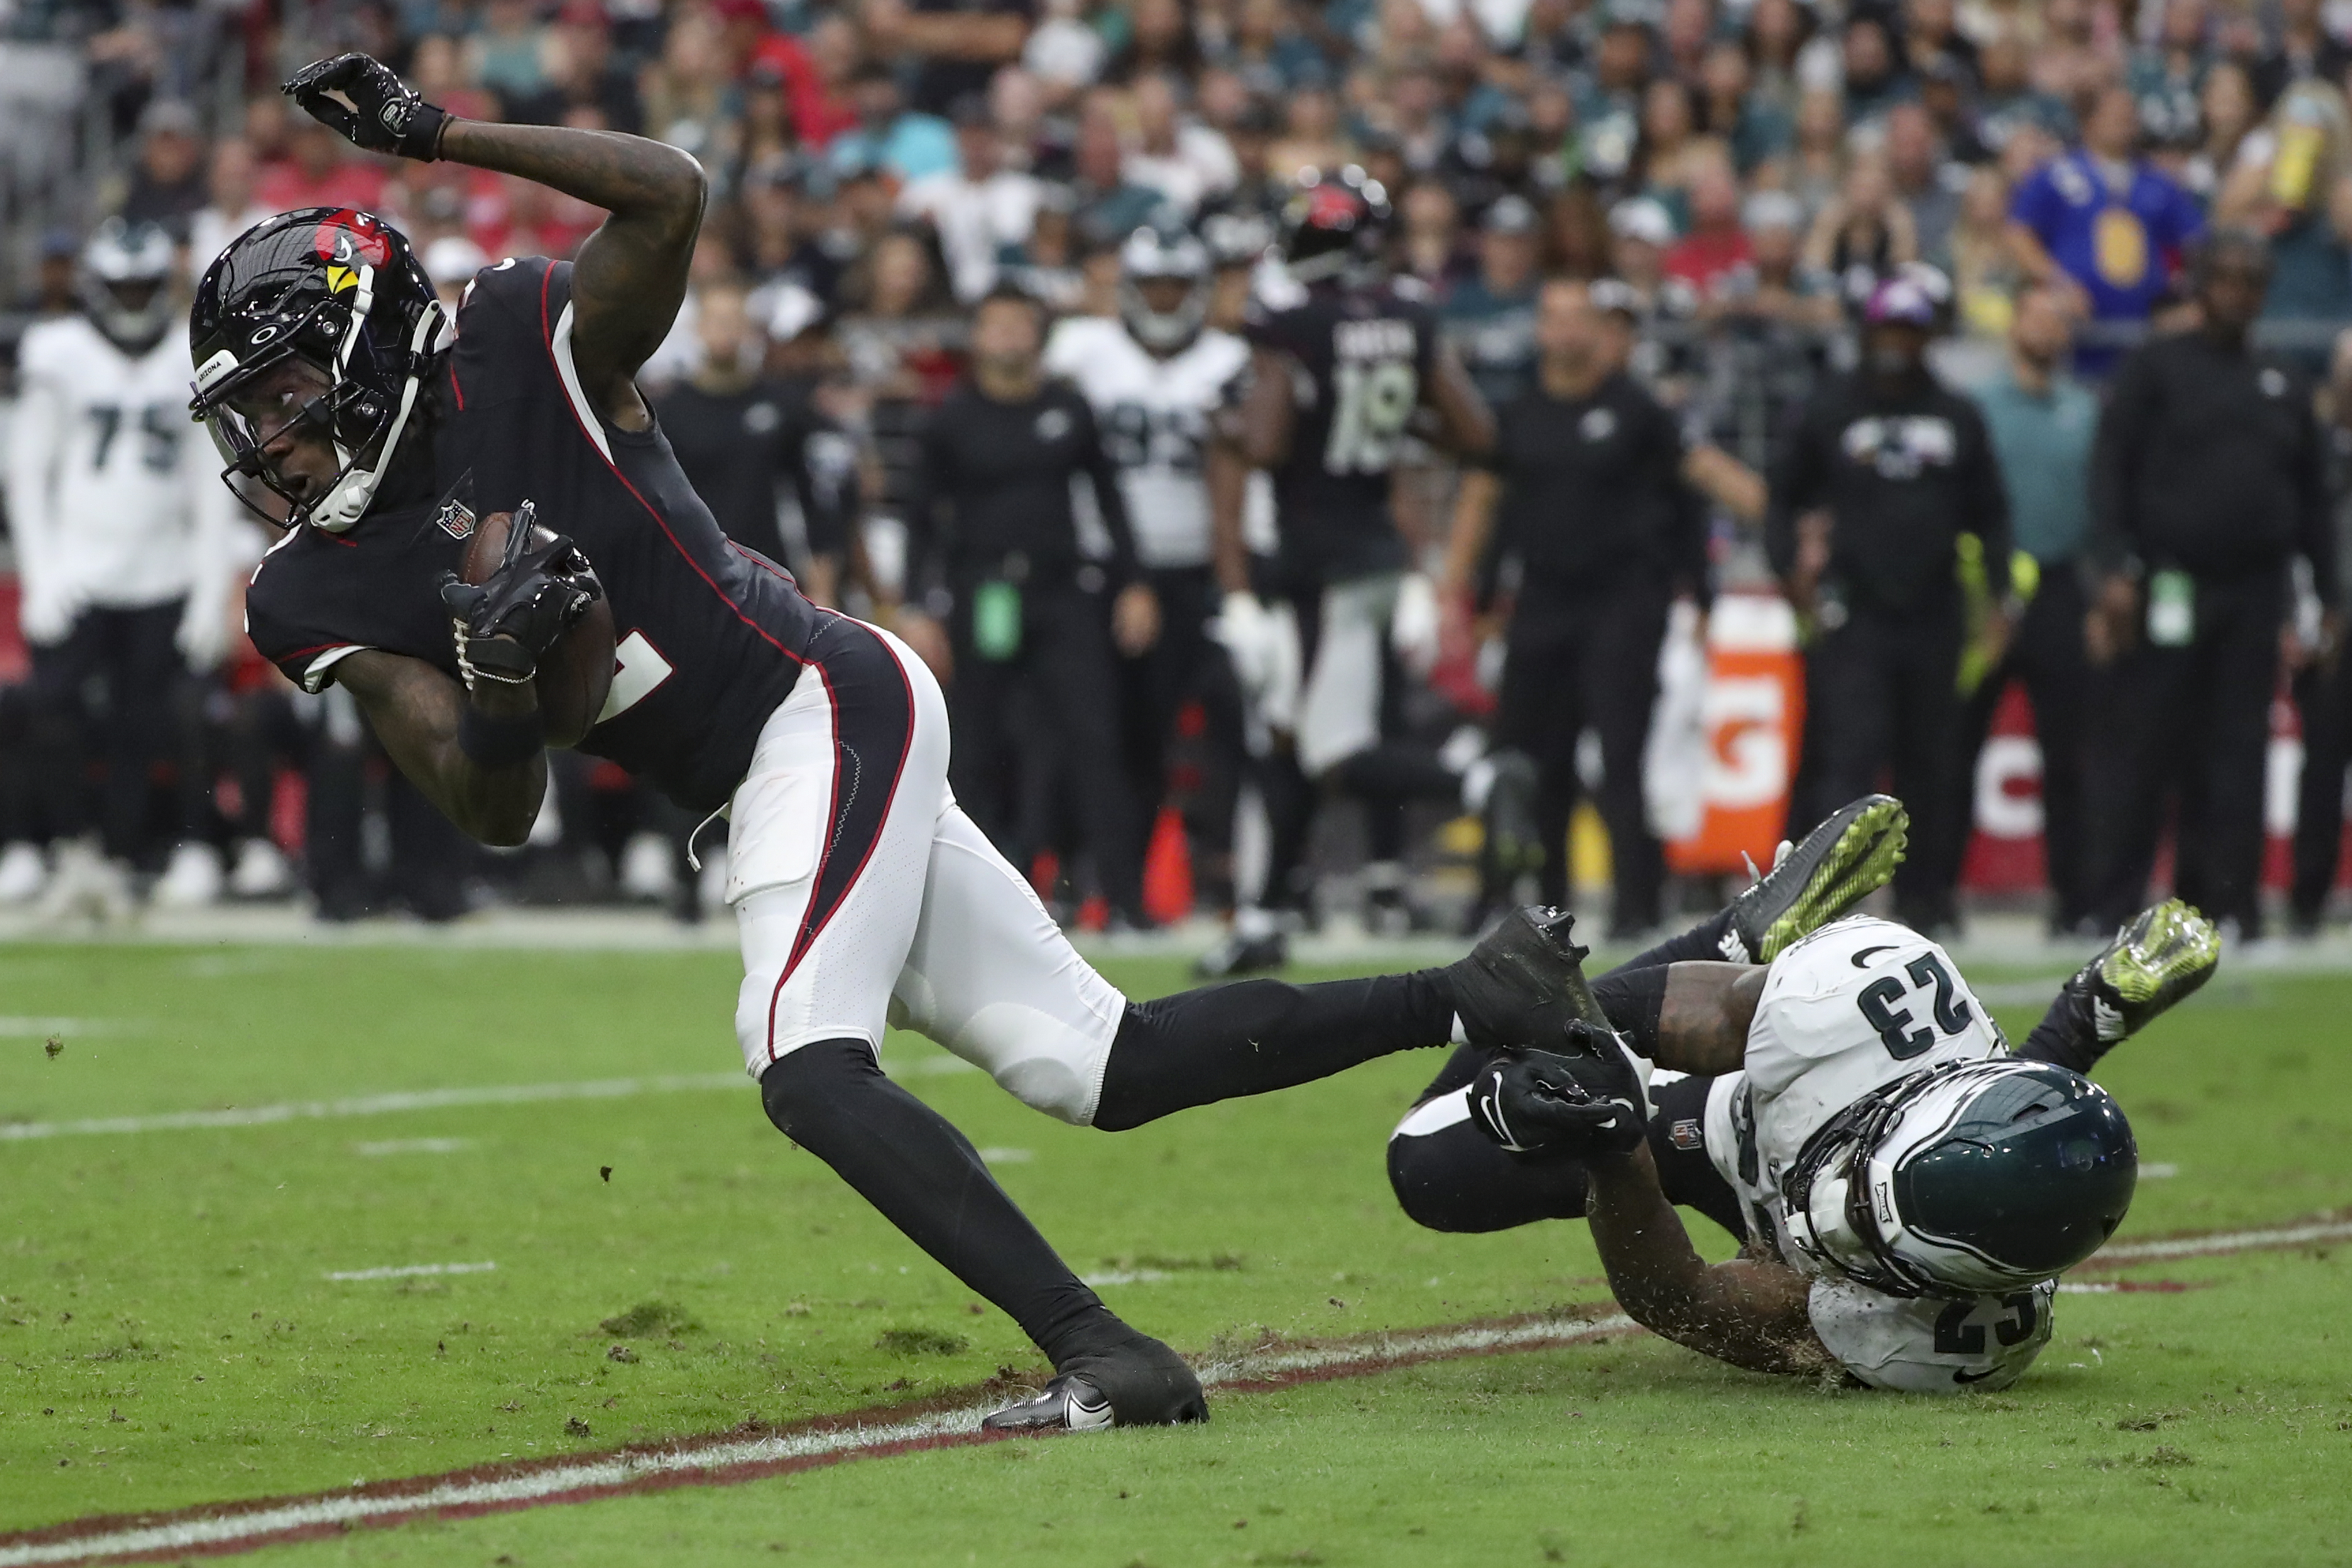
x=125, y=544
x=1155, y=374
x=1908, y=1188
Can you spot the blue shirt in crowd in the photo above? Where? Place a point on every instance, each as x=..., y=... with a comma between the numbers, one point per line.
x=2121, y=246
x=2043, y=442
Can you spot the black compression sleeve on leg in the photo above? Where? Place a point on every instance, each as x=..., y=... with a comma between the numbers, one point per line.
x=2068, y=1034
x=1224, y=1041
x=926, y=1178
x=1703, y=941
x=1634, y=1000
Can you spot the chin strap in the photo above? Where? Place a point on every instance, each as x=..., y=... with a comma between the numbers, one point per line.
x=343, y=506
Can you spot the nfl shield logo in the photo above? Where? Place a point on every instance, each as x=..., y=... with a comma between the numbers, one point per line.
x=457, y=519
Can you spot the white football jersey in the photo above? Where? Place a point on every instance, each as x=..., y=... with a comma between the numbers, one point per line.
x=1154, y=414
x=1855, y=1006
x=109, y=484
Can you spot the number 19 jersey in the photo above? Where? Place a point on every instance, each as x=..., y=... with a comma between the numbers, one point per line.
x=1362, y=357
x=1853, y=1008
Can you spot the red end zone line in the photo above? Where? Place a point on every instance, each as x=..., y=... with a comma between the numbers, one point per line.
x=945, y=1421
x=722, y=1459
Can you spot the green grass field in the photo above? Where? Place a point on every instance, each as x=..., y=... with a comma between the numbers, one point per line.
x=169, y=1336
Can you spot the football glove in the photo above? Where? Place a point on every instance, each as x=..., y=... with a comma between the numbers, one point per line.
x=538, y=592
x=1587, y=1101
x=385, y=114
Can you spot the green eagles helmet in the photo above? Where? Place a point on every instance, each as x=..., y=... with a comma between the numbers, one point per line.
x=1974, y=1177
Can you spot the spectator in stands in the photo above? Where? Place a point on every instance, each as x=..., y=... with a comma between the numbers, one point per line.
x=2042, y=423
x=230, y=207
x=2304, y=51
x=1926, y=182
x=1864, y=235
x=2210, y=476
x=2293, y=182
x=321, y=171
x=956, y=44
x=979, y=209
x=1491, y=316
x=167, y=183
x=1716, y=246
x=2104, y=225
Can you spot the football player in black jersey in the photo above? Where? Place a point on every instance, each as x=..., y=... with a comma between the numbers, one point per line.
x=1337, y=379
x=331, y=377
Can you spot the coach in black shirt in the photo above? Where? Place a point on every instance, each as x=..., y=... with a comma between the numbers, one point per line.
x=1584, y=495
x=2209, y=475
x=740, y=437
x=1902, y=467
x=1032, y=621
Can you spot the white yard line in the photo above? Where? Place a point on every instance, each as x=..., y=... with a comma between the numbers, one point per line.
x=20, y=1026
x=426, y=1099
x=2223, y=1242
x=411, y=1270
x=254, y=1527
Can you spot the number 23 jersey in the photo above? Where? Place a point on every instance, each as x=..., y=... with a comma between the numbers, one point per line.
x=1361, y=358
x=1855, y=1006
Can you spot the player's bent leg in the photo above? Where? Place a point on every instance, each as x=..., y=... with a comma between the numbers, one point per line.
x=991, y=977
x=828, y=842
x=1254, y=1037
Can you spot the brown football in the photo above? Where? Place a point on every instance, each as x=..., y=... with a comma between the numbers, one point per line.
x=576, y=675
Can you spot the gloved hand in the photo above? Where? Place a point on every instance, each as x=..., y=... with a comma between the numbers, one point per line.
x=205, y=631
x=1416, y=627
x=45, y=618
x=1590, y=1100
x=385, y=114
x=539, y=589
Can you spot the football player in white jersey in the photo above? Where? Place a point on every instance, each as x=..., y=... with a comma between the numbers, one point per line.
x=1155, y=374
x=1907, y=1186
x=117, y=521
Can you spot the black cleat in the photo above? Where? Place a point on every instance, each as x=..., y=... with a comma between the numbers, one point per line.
x=1238, y=954
x=1836, y=865
x=1137, y=1382
x=1524, y=983
x=2159, y=957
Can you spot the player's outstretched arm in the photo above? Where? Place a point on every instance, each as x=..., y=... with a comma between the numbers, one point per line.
x=1750, y=1312
x=420, y=715
x=630, y=276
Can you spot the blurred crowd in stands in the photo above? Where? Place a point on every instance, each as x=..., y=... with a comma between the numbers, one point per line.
x=1738, y=181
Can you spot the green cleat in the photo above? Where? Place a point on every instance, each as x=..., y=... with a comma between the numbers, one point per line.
x=1840, y=863
x=2160, y=956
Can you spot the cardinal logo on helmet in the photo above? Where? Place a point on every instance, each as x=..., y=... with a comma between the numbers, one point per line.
x=352, y=239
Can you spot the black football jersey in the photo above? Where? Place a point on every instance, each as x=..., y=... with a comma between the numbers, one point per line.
x=1363, y=357
x=709, y=636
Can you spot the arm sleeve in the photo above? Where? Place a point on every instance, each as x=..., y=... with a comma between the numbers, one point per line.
x=2114, y=459
x=1986, y=500
x=1797, y=479
x=2315, y=520
x=1688, y=512
x=1103, y=474
x=36, y=437
x=933, y=477
x=824, y=478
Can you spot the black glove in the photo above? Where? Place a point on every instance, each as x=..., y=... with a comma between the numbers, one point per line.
x=387, y=115
x=539, y=590
x=1586, y=1101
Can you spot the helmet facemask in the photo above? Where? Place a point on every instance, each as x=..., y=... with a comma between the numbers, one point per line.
x=125, y=283
x=1151, y=257
x=1929, y=1188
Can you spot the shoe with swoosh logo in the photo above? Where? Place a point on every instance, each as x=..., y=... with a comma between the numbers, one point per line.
x=1836, y=865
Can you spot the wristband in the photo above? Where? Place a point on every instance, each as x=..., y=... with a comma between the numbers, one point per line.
x=501, y=740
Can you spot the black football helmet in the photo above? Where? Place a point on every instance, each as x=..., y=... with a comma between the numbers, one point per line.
x=125, y=283
x=341, y=290
x=1334, y=223
x=1973, y=1177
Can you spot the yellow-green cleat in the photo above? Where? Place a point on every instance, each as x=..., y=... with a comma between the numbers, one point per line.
x=2160, y=956
x=1836, y=865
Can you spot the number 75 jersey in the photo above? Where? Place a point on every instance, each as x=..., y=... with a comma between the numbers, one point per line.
x=1851, y=1009
x=1361, y=358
